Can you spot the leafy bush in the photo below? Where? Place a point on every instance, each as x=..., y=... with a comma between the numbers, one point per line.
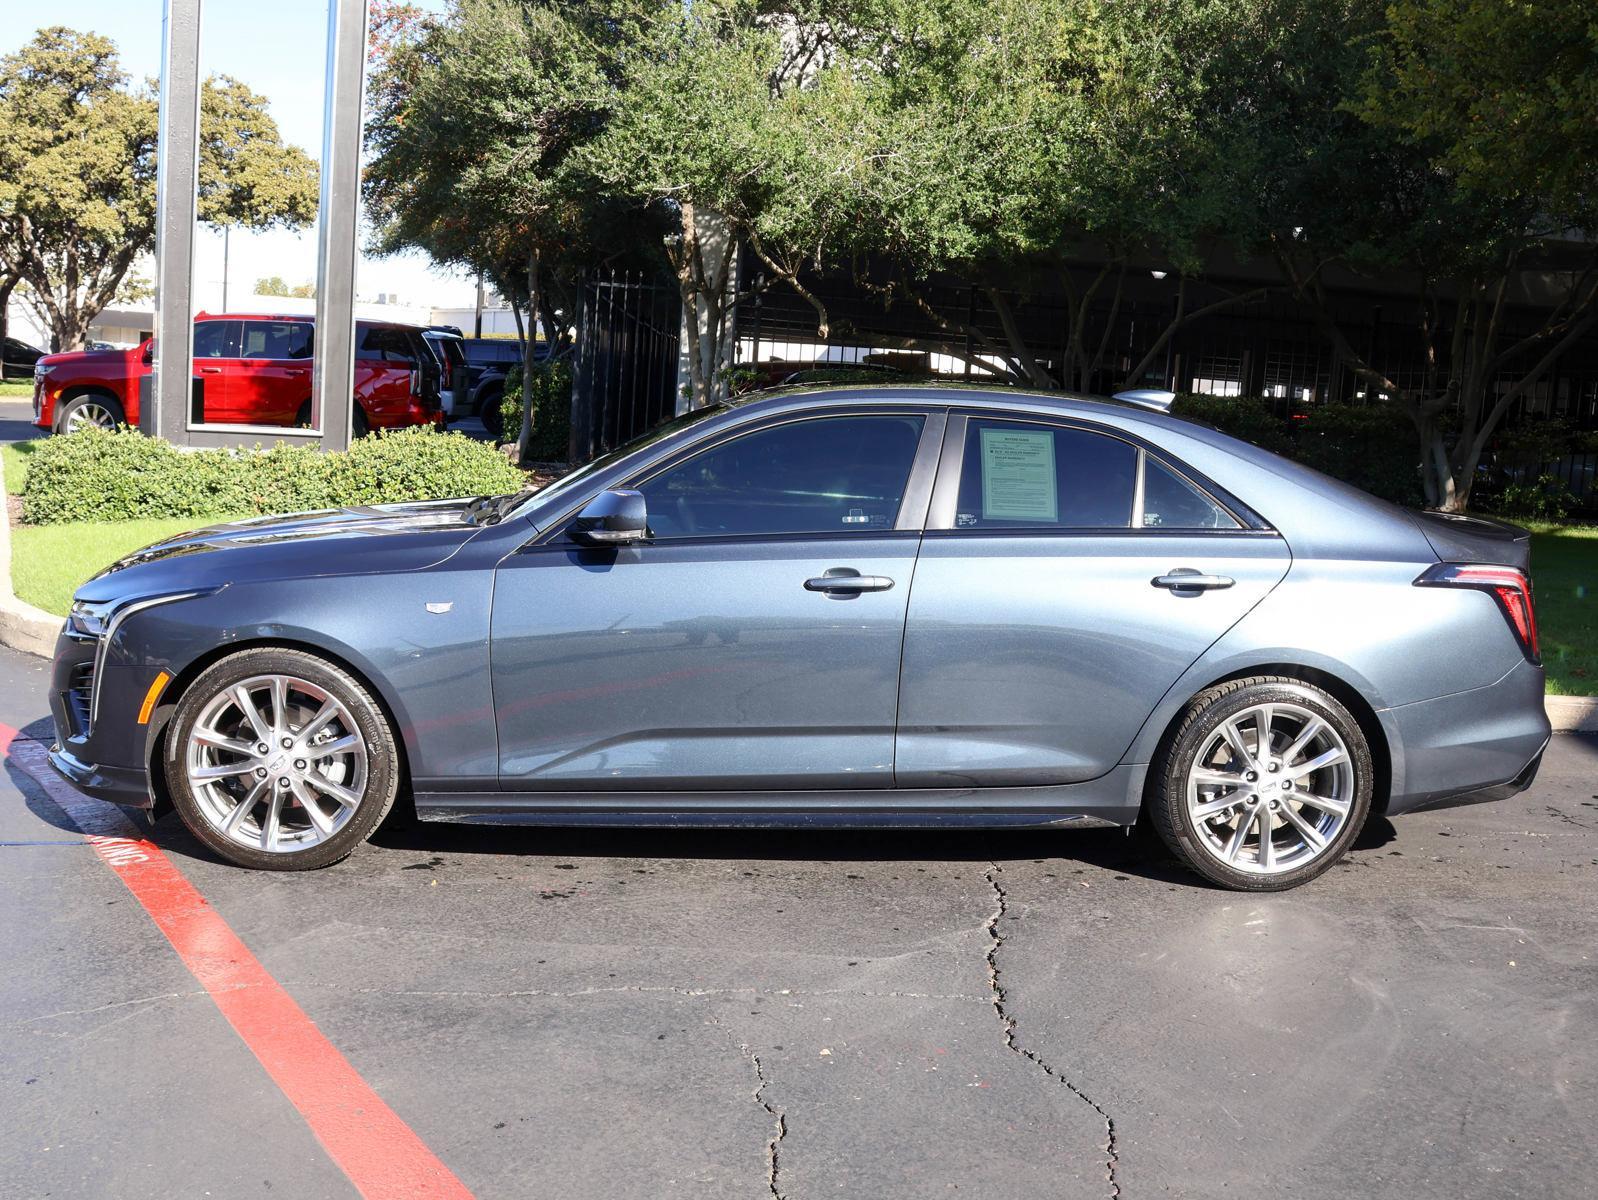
x=552, y=410
x=100, y=476
x=1368, y=445
x=1544, y=499
x=1241, y=416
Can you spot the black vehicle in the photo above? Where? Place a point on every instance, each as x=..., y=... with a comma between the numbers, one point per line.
x=488, y=361
x=454, y=383
x=17, y=359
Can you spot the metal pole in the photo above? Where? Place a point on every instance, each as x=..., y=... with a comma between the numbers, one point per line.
x=477, y=315
x=164, y=409
x=226, y=229
x=332, y=382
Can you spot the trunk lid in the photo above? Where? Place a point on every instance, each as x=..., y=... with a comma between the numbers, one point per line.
x=1465, y=539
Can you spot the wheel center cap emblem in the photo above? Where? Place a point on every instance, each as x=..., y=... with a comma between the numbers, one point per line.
x=279, y=763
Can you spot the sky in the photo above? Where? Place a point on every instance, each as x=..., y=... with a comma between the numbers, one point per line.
x=278, y=48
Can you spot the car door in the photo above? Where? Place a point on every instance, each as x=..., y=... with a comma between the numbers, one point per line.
x=1068, y=577
x=752, y=643
x=216, y=348
x=271, y=382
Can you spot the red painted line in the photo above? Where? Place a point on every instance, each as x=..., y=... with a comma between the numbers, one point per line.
x=369, y=1142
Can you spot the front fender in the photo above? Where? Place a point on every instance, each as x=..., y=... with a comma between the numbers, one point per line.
x=428, y=666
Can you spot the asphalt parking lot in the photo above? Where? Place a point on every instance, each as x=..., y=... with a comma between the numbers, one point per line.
x=691, y=1014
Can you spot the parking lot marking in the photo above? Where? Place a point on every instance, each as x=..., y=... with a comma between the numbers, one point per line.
x=382, y=1156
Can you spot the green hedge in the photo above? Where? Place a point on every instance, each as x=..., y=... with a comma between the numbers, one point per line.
x=1370, y=446
x=99, y=476
x=552, y=411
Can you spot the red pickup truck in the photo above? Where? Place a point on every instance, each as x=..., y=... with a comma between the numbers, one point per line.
x=252, y=370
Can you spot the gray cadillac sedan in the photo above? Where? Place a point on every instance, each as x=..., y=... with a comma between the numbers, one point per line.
x=884, y=606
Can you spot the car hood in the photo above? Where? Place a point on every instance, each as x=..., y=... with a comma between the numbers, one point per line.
x=84, y=357
x=375, y=539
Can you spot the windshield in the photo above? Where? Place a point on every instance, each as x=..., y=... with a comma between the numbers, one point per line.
x=575, y=481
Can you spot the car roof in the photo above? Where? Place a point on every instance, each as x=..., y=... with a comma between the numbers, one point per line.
x=372, y=322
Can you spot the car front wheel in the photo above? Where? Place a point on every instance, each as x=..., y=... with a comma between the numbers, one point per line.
x=1263, y=784
x=82, y=412
x=278, y=759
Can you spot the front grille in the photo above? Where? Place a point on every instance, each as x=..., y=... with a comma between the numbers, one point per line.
x=80, y=693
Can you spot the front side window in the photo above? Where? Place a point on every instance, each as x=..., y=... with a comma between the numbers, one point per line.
x=835, y=475
x=1022, y=475
x=213, y=339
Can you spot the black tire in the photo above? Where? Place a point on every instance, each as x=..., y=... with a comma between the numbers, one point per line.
x=1166, y=798
x=302, y=418
x=382, y=765
x=97, y=402
x=489, y=412
x=359, y=425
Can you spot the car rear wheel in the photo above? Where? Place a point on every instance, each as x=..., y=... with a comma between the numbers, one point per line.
x=82, y=412
x=278, y=759
x=1263, y=784
x=493, y=419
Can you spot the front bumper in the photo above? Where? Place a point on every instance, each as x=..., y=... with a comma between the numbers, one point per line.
x=127, y=786
x=90, y=754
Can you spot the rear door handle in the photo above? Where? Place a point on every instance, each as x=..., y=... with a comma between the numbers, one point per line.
x=1186, y=579
x=210, y=370
x=846, y=581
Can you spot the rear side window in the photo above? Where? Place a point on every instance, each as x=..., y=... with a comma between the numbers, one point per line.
x=276, y=340
x=1171, y=502
x=1021, y=475
x=387, y=344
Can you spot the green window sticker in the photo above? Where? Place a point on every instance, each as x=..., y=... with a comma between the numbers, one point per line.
x=1018, y=476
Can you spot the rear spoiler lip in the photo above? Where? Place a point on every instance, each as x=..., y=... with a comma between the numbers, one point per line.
x=1462, y=538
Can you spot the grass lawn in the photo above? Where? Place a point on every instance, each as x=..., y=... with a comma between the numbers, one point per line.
x=1564, y=567
x=48, y=562
x=16, y=389
x=14, y=456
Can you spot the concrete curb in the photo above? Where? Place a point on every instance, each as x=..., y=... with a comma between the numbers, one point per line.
x=32, y=630
x=1572, y=714
x=22, y=626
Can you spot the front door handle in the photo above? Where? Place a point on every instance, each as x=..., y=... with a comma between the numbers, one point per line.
x=1186, y=579
x=846, y=581
x=210, y=370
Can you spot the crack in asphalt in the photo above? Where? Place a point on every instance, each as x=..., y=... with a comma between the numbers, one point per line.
x=1112, y=1160
x=778, y=1116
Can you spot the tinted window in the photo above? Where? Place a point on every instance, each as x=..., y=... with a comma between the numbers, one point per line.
x=448, y=348
x=387, y=343
x=1171, y=502
x=834, y=475
x=276, y=339
x=1019, y=475
x=214, y=339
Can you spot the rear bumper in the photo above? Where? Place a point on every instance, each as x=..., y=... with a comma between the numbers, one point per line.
x=1484, y=744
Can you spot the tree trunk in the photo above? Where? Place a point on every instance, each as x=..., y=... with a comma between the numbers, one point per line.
x=7, y=286
x=702, y=262
x=529, y=349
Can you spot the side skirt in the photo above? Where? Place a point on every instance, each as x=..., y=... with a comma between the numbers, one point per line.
x=1108, y=801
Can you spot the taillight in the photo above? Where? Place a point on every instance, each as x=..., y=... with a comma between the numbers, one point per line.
x=1509, y=586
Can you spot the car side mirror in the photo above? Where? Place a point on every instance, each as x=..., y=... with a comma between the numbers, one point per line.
x=613, y=518
x=148, y=356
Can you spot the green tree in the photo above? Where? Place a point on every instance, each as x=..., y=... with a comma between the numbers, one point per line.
x=275, y=285
x=1425, y=142
x=77, y=172
x=475, y=119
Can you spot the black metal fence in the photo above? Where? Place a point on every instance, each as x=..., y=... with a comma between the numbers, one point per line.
x=624, y=374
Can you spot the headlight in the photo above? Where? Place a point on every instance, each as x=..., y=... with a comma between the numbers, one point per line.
x=89, y=618
x=40, y=370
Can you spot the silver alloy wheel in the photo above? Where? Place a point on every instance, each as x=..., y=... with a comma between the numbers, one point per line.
x=276, y=763
x=90, y=412
x=1270, y=789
